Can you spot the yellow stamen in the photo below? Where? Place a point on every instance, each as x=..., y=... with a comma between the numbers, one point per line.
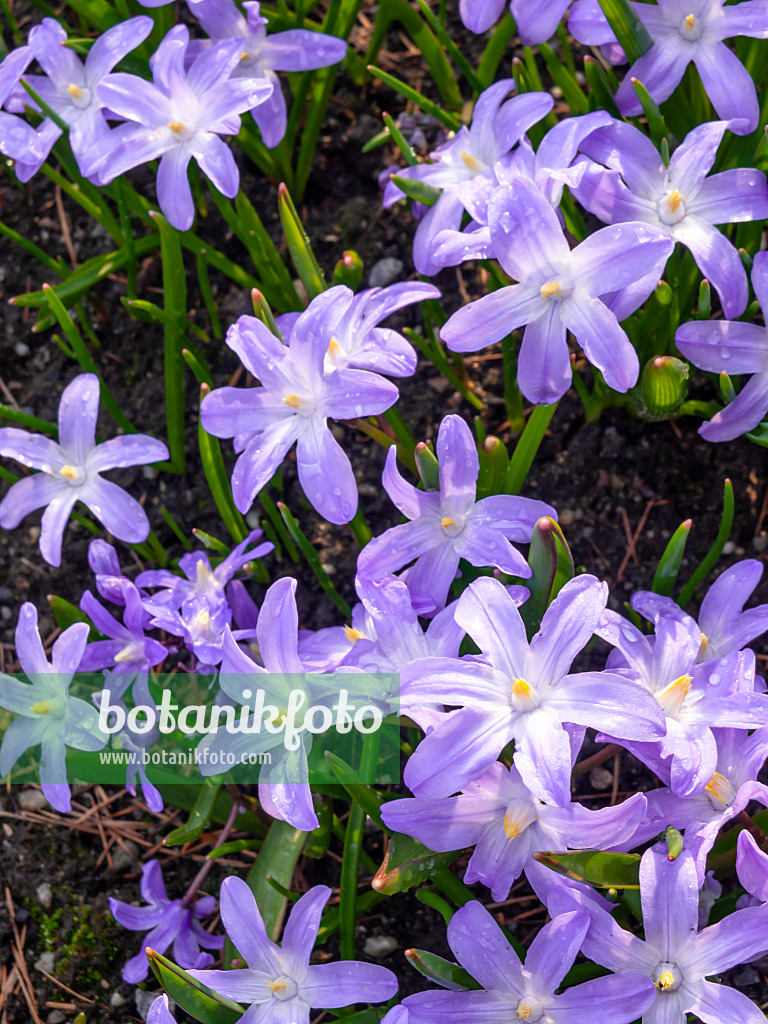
x=353, y=635
x=674, y=198
x=202, y=620
x=511, y=827
x=446, y=522
x=470, y=162
x=673, y=696
x=127, y=654
x=176, y=127
x=549, y=289
x=69, y=472
x=690, y=21
x=74, y=91
x=527, y=1008
x=520, y=688
x=43, y=707
x=704, y=645
x=666, y=980
x=720, y=788
x=245, y=55
x=277, y=986
x=333, y=347
x=293, y=401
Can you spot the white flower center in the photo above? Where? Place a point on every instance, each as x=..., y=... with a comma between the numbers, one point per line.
x=283, y=988
x=301, y=405
x=74, y=475
x=691, y=28
x=453, y=527
x=519, y=815
x=530, y=1010
x=672, y=697
x=181, y=131
x=524, y=697
x=671, y=208
x=667, y=976
x=56, y=707
x=133, y=651
x=473, y=165
x=720, y=791
x=79, y=95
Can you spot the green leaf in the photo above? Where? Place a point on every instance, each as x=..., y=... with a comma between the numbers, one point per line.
x=399, y=140
x=573, y=94
x=198, y=818
x=277, y=858
x=445, y=973
x=656, y=123
x=408, y=863
x=494, y=463
x=446, y=119
x=632, y=35
x=604, y=870
x=665, y=577
x=418, y=190
x=66, y=614
x=362, y=794
x=302, y=255
x=174, y=331
x=218, y=479
x=197, y=999
x=527, y=446
x=313, y=559
x=551, y=565
x=711, y=557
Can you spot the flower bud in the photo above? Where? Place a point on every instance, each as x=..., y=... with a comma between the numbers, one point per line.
x=663, y=387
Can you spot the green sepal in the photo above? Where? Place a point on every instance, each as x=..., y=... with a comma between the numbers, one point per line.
x=551, y=565
x=408, y=863
x=302, y=255
x=349, y=270
x=631, y=33
x=446, y=974
x=598, y=868
x=494, y=462
x=427, y=466
x=665, y=577
x=192, y=996
x=727, y=390
x=199, y=816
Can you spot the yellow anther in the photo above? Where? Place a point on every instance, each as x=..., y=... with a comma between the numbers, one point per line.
x=74, y=91
x=176, y=127
x=520, y=688
x=704, y=645
x=202, y=620
x=666, y=980
x=690, y=21
x=127, y=654
x=446, y=522
x=333, y=347
x=528, y=1009
x=293, y=401
x=353, y=635
x=69, y=472
x=720, y=789
x=674, y=198
x=43, y=707
x=277, y=986
x=673, y=696
x=245, y=55
x=470, y=162
x=511, y=827
x=549, y=289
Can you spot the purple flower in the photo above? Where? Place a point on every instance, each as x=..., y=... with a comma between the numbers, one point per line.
x=18, y=140
x=693, y=697
x=71, y=86
x=685, y=32
x=526, y=992
x=680, y=200
x=519, y=691
x=448, y=525
x=48, y=715
x=293, y=405
x=178, y=116
x=536, y=22
x=167, y=921
x=558, y=289
x=279, y=984
x=506, y=823
x=297, y=49
x=733, y=347
x=71, y=472
x=752, y=867
x=675, y=955
x=463, y=167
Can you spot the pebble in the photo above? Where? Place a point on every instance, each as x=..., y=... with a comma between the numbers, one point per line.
x=379, y=945
x=21, y=349
x=45, y=962
x=44, y=894
x=744, y=976
x=125, y=860
x=566, y=517
x=6, y=594
x=34, y=534
x=148, y=472
x=729, y=547
x=143, y=1001
x=116, y=999
x=760, y=543
x=56, y=1017
x=32, y=800
x=385, y=272
x=600, y=778
x=253, y=519
x=5, y=613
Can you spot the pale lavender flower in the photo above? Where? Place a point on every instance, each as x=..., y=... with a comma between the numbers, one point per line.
x=694, y=697
x=752, y=867
x=506, y=823
x=178, y=116
x=167, y=921
x=536, y=22
x=159, y=1011
x=279, y=984
x=675, y=955
x=18, y=140
x=48, y=714
x=296, y=49
x=70, y=86
x=293, y=404
x=450, y=524
x=558, y=290
x=519, y=691
x=515, y=991
x=71, y=472
x=680, y=200
x=685, y=32
x=463, y=167
x=733, y=347
x=105, y=565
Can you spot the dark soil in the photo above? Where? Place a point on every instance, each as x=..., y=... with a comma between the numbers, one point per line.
x=611, y=482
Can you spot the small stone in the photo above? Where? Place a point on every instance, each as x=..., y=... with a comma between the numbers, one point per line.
x=148, y=472
x=5, y=613
x=32, y=800
x=729, y=547
x=600, y=778
x=385, y=272
x=46, y=962
x=379, y=945
x=253, y=519
x=745, y=976
x=21, y=349
x=44, y=894
x=116, y=999
x=7, y=829
x=301, y=290
x=56, y=1017
x=566, y=517
x=34, y=534
x=125, y=859
x=104, y=983
x=6, y=594
x=760, y=543
x=143, y=1001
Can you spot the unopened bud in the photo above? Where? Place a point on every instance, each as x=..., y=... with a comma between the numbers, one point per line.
x=663, y=387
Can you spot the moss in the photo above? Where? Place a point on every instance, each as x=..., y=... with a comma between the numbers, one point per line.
x=74, y=933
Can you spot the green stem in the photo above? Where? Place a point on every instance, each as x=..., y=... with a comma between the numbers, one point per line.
x=350, y=863
x=527, y=446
